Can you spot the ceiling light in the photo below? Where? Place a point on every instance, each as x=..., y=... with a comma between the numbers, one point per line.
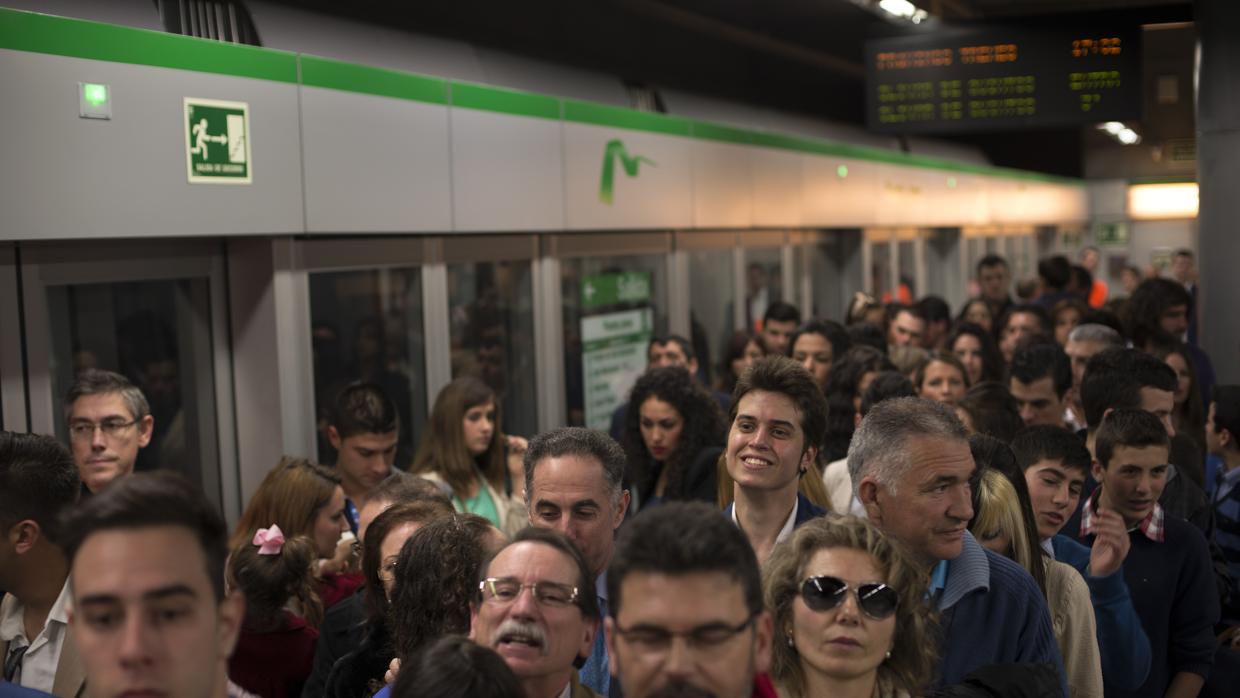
x=1128, y=137
x=1112, y=127
x=1162, y=201
x=903, y=9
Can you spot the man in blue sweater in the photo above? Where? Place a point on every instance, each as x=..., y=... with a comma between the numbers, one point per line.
x=912, y=470
x=1223, y=442
x=1168, y=566
x=1056, y=462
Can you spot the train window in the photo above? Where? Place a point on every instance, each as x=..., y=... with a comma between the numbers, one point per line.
x=158, y=335
x=835, y=272
x=764, y=280
x=880, y=271
x=367, y=326
x=491, y=311
x=907, y=262
x=711, y=314
x=612, y=306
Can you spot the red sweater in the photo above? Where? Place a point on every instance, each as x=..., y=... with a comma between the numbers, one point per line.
x=276, y=663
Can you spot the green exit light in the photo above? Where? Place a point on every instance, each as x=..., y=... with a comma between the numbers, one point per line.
x=842, y=171
x=95, y=93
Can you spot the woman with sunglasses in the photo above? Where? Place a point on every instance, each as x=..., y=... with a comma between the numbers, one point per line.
x=849, y=611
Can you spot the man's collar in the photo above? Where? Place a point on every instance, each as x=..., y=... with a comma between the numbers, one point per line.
x=12, y=623
x=968, y=572
x=1151, y=526
x=789, y=524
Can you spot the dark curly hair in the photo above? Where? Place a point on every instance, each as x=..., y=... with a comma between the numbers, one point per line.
x=703, y=427
x=843, y=385
x=436, y=578
x=1142, y=314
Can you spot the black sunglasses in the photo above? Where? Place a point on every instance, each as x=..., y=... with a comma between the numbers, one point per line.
x=878, y=601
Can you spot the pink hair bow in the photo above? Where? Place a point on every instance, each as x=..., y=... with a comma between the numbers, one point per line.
x=269, y=540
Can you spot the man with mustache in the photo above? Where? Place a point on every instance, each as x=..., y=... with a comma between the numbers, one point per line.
x=536, y=607
x=913, y=472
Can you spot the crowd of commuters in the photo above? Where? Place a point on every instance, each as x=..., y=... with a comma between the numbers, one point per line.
x=1033, y=497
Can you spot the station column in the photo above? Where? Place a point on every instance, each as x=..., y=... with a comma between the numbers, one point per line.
x=1218, y=176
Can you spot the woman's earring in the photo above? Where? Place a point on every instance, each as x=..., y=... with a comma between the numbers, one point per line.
x=793, y=644
x=888, y=654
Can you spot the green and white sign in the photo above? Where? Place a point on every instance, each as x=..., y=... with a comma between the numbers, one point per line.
x=613, y=355
x=602, y=290
x=217, y=141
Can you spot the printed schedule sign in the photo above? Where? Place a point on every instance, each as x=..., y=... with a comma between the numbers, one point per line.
x=997, y=79
x=217, y=141
x=613, y=344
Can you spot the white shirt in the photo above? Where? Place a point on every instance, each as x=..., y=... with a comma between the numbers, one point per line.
x=788, y=525
x=38, y=667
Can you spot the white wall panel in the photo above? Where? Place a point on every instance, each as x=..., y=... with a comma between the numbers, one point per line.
x=375, y=164
x=776, y=181
x=722, y=191
x=659, y=196
x=507, y=172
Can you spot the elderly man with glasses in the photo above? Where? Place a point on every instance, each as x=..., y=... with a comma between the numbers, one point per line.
x=536, y=607
x=109, y=421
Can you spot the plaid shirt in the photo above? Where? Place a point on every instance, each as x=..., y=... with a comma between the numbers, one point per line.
x=1151, y=525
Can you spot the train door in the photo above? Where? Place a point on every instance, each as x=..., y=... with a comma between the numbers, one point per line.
x=12, y=374
x=712, y=270
x=614, y=294
x=835, y=271
x=154, y=312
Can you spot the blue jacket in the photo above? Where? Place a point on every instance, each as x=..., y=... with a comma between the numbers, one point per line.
x=1124, y=648
x=993, y=613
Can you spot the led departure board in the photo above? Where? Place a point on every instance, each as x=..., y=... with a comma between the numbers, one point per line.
x=996, y=79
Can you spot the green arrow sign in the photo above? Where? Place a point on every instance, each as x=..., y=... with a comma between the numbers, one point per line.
x=217, y=141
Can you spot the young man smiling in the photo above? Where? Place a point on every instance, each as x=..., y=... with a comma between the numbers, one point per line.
x=1168, y=565
x=779, y=420
x=1055, y=464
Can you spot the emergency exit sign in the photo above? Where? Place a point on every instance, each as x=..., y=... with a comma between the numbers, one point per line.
x=217, y=141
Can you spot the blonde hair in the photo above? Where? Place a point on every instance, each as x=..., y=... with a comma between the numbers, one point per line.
x=290, y=496
x=911, y=665
x=999, y=511
x=269, y=581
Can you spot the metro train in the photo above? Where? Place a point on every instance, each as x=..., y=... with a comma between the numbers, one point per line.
x=242, y=229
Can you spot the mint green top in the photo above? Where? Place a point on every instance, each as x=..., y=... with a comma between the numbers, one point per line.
x=480, y=504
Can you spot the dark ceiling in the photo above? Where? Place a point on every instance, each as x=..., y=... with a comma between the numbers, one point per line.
x=803, y=56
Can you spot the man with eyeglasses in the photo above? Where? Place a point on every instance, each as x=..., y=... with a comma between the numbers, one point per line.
x=109, y=421
x=535, y=607
x=574, y=484
x=686, y=616
x=913, y=473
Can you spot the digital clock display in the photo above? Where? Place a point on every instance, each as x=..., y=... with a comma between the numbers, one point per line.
x=996, y=79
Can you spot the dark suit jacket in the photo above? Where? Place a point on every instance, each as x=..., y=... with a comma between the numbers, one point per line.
x=806, y=510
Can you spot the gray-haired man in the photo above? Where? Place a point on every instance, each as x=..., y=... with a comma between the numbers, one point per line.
x=912, y=471
x=573, y=484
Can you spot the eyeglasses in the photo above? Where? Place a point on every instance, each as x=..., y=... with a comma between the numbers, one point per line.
x=703, y=639
x=550, y=594
x=84, y=431
x=878, y=601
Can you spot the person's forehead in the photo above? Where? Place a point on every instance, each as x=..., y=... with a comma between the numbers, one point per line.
x=812, y=341
x=372, y=441
x=1175, y=309
x=568, y=478
x=767, y=405
x=779, y=326
x=128, y=563
x=100, y=406
x=1057, y=466
x=1083, y=349
x=1028, y=319
x=1145, y=457
x=666, y=348
x=1039, y=387
x=905, y=317
x=534, y=561
x=933, y=456
x=655, y=408
x=1152, y=398
x=681, y=600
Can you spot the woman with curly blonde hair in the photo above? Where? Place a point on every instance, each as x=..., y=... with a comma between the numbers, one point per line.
x=850, y=613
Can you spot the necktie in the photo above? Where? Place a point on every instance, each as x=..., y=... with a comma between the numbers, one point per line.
x=13, y=664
